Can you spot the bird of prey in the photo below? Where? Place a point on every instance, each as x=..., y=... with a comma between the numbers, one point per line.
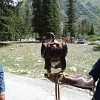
x=54, y=52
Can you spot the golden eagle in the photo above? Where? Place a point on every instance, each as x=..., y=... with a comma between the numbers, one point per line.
x=54, y=52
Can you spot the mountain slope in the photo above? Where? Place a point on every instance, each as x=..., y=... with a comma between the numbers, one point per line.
x=86, y=8
x=89, y=9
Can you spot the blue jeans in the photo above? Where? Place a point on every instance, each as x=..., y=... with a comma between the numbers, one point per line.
x=2, y=82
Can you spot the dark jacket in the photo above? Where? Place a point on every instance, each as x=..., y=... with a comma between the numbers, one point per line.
x=2, y=82
x=95, y=72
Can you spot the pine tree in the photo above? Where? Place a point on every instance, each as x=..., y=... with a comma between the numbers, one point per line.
x=84, y=27
x=46, y=17
x=70, y=24
x=37, y=20
x=57, y=28
x=6, y=13
x=51, y=16
x=91, y=30
x=19, y=22
x=27, y=18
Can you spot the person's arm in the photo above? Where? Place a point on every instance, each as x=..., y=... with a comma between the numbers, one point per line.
x=2, y=84
x=95, y=71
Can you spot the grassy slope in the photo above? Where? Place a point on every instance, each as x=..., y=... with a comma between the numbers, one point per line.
x=25, y=58
x=94, y=2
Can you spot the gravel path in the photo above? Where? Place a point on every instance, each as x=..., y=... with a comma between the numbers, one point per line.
x=25, y=88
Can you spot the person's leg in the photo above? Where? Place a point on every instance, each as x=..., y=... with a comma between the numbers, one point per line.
x=2, y=84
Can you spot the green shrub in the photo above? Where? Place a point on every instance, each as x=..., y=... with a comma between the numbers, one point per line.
x=92, y=38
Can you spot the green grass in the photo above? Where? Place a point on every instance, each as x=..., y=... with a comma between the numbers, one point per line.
x=25, y=58
x=92, y=38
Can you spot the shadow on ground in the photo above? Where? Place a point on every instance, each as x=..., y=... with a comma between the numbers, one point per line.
x=96, y=48
x=4, y=44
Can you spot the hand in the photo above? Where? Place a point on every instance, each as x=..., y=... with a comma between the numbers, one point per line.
x=2, y=96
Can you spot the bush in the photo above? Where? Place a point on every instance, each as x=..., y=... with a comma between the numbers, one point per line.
x=92, y=38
